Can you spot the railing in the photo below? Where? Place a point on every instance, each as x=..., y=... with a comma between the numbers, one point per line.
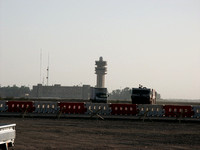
x=7, y=135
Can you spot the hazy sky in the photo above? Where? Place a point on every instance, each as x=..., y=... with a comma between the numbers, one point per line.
x=155, y=43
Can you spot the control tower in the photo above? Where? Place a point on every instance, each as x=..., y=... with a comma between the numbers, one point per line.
x=101, y=72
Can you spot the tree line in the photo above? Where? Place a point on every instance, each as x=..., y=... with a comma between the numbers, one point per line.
x=120, y=94
x=14, y=91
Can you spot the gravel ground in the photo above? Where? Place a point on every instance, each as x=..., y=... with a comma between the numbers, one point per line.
x=86, y=134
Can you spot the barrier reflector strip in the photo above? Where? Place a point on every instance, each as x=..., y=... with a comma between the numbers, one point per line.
x=97, y=108
x=20, y=106
x=45, y=107
x=3, y=106
x=72, y=108
x=123, y=109
x=196, y=110
x=178, y=111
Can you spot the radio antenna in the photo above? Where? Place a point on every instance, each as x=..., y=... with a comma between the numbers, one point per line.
x=40, y=65
x=48, y=72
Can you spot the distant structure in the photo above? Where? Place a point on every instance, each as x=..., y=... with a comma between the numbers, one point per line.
x=70, y=92
x=61, y=92
x=101, y=72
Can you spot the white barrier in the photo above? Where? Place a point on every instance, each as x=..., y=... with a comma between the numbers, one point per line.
x=196, y=110
x=97, y=108
x=45, y=107
x=151, y=110
x=3, y=106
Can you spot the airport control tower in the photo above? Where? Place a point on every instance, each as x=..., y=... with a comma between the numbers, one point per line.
x=101, y=71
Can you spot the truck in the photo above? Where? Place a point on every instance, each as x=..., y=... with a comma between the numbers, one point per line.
x=98, y=95
x=7, y=136
x=143, y=95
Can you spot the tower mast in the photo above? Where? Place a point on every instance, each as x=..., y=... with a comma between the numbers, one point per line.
x=40, y=65
x=48, y=72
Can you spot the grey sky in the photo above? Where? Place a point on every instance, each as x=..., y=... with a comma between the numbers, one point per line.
x=151, y=42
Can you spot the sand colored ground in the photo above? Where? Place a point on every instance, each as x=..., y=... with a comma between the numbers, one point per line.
x=88, y=134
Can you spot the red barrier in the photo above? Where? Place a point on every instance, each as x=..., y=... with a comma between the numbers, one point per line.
x=72, y=108
x=123, y=109
x=178, y=111
x=20, y=106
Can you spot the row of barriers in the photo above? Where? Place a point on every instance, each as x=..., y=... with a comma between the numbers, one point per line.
x=52, y=107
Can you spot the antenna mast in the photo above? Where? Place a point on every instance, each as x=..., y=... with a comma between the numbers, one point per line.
x=48, y=72
x=40, y=65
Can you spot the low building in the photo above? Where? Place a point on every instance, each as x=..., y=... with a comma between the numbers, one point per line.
x=63, y=92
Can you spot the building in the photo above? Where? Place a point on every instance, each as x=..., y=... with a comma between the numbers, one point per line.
x=71, y=92
x=63, y=92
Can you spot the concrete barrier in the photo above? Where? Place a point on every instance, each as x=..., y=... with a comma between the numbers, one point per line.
x=3, y=106
x=20, y=106
x=196, y=110
x=178, y=111
x=45, y=107
x=150, y=110
x=72, y=108
x=123, y=109
x=98, y=108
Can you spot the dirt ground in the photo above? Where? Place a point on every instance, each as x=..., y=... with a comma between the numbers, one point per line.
x=86, y=134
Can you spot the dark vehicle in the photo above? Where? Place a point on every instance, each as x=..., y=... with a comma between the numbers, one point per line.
x=143, y=95
x=98, y=95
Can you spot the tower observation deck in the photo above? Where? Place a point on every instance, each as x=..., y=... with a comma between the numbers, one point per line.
x=100, y=70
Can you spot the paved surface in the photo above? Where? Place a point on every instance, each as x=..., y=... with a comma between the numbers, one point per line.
x=47, y=134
